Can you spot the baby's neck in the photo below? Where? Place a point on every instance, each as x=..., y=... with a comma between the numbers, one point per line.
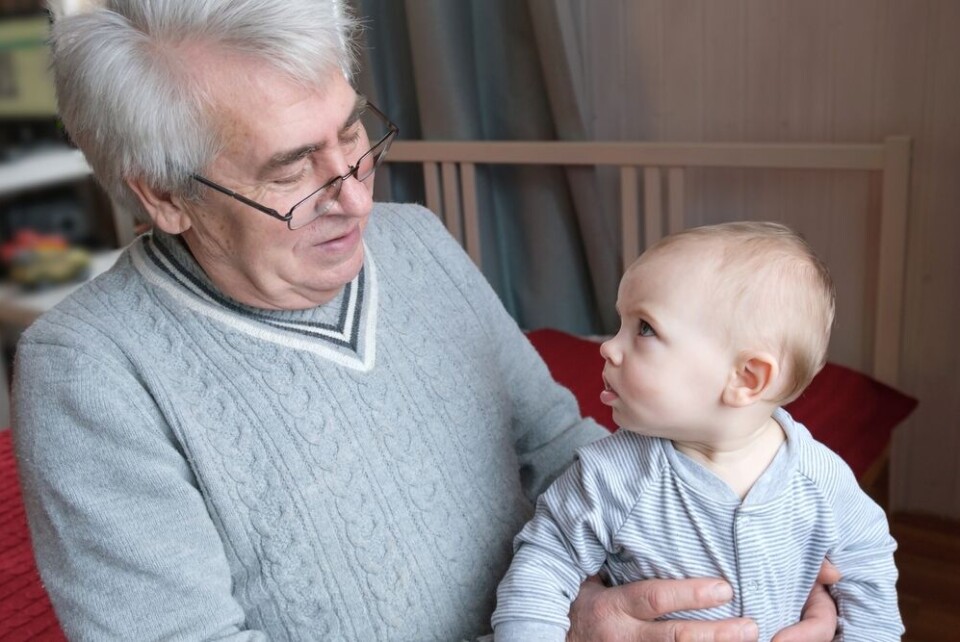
x=741, y=462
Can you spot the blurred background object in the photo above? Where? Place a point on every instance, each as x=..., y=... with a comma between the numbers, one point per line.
x=34, y=260
x=44, y=184
x=20, y=7
x=56, y=224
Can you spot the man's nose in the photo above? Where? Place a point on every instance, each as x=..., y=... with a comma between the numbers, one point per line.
x=356, y=197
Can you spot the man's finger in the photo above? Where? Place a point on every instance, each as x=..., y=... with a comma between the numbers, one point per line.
x=623, y=613
x=819, y=619
x=650, y=599
x=738, y=630
x=829, y=574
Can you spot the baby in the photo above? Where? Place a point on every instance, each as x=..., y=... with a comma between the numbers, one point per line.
x=709, y=476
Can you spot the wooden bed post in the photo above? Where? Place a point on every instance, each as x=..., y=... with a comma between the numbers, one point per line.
x=893, y=241
x=652, y=206
x=629, y=216
x=450, y=184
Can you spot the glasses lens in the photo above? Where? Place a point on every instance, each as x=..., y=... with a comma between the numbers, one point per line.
x=379, y=136
x=315, y=206
x=374, y=125
x=372, y=159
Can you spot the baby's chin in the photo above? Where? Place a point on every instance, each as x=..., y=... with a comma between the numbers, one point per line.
x=648, y=429
x=639, y=429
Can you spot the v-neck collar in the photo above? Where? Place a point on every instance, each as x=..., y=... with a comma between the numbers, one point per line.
x=342, y=330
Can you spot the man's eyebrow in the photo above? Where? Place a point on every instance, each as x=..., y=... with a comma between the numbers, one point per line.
x=288, y=157
x=359, y=106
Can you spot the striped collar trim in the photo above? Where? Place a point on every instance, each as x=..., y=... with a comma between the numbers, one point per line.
x=349, y=342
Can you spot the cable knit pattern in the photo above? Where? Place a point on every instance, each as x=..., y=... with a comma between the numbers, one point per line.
x=194, y=468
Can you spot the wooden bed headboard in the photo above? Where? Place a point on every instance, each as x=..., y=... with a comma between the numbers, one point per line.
x=451, y=191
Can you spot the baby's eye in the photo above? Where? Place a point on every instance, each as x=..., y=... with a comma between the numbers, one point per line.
x=646, y=330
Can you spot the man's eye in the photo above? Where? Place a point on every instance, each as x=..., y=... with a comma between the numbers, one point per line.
x=289, y=180
x=646, y=330
x=351, y=137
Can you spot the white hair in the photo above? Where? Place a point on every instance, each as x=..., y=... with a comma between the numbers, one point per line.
x=129, y=99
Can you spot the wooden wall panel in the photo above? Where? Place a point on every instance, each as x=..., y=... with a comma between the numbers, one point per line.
x=639, y=74
x=852, y=29
x=761, y=33
x=815, y=70
x=681, y=101
x=942, y=237
x=723, y=118
x=927, y=455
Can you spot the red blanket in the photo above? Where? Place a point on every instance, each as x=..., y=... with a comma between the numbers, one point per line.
x=25, y=611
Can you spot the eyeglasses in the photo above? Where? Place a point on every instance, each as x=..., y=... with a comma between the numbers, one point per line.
x=373, y=121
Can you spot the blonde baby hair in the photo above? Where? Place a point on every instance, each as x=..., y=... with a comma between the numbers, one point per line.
x=776, y=291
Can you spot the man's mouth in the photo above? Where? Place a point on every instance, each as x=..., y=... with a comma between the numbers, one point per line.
x=343, y=236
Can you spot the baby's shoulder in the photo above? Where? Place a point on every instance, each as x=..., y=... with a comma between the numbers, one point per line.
x=820, y=466
x=641, y=456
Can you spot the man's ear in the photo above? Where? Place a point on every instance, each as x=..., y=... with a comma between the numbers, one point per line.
x=166, y=210
x=754, y=375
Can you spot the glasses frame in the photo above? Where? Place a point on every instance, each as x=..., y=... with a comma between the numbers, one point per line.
x=353, y=171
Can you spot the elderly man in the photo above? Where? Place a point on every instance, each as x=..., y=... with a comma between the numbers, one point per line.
x=287, y=413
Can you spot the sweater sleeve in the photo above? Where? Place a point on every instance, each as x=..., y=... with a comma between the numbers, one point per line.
x=123, y=541
x=571, y=533
x=546, y=421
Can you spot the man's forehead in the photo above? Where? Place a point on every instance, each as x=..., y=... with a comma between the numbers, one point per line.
x=345, y=122
x=284, y=118
x=241, y=82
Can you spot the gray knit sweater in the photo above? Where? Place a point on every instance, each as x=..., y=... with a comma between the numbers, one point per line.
x=194, y=468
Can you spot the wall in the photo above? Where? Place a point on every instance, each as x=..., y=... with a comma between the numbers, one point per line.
x=812, y=70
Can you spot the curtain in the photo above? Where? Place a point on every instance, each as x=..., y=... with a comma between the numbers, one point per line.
x=502, y=70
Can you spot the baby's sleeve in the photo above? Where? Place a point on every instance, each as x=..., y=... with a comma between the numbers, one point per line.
x=866, y=596
x=572, y=531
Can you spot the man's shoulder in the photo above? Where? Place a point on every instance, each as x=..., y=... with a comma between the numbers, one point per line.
x=387, y=218
x=404, y=232
x=104, y=302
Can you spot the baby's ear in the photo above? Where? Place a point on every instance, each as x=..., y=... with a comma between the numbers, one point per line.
x=753, y=376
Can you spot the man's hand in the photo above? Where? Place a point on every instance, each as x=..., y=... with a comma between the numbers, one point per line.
x=818, y=620
x=624, y=613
